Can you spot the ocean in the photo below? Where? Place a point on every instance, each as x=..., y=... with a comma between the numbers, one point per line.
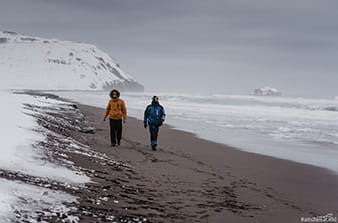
x=298, y=129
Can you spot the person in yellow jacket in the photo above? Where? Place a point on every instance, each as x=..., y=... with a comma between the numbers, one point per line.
x=116, y=109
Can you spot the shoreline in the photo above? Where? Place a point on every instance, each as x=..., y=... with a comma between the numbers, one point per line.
x=280, y=141
x=259, y=186
x=188, y=179
x=238, y=148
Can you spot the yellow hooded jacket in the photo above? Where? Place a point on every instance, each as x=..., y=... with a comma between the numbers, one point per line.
x=116, y=109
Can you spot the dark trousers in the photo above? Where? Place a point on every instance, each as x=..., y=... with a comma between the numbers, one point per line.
x=153, y=132
x=115, y=130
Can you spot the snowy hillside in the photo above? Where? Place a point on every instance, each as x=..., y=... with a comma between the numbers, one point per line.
x=36, y=63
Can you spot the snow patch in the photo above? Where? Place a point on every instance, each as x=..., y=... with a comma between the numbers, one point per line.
x=17, y=151
x=19, y=201
x=21, y=156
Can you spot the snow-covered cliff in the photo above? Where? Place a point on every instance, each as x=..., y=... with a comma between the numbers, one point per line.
x=48, y=64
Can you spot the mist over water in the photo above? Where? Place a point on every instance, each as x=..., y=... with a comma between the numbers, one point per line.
x=298, y=129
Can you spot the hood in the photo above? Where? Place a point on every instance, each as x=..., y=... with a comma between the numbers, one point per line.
x=112, y=91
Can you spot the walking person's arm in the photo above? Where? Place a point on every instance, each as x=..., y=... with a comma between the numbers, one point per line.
x=124, y=112
x=106, y=113
x=145, y=119
x=163, y=115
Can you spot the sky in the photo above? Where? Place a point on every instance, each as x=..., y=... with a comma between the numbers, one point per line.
x=198, y=46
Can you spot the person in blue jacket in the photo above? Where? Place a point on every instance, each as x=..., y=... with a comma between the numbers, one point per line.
x=154, y=116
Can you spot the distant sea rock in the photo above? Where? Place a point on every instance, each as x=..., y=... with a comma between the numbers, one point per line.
x=267, y=91
x=50, y=64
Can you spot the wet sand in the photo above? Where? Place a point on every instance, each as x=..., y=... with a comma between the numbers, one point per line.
x=194, y=180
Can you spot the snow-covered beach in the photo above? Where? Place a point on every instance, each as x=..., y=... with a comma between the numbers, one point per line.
x=28, y=170
x=44, y=176
x=187, y=179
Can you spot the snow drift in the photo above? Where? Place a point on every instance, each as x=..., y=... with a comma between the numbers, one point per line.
x=48, y=64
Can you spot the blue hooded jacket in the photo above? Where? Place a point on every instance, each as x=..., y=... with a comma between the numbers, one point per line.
x=154, y=114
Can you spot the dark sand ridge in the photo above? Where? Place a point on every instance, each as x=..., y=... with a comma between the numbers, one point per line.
x=194, y=180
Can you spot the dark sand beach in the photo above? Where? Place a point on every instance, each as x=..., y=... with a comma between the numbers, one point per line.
x=187, y=180
x=194, y=180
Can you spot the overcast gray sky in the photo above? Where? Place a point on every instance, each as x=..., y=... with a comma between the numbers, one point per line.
x=214, y=46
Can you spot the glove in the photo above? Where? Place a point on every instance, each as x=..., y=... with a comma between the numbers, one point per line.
x=145, y=125
x=104, y=119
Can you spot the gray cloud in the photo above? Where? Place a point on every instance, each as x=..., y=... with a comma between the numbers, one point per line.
x=229, y=46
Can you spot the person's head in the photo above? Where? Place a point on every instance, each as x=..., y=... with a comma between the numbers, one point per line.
x=155, y=98
x=114, y=94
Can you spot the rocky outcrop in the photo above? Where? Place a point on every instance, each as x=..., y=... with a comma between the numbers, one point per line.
x=267, y=91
